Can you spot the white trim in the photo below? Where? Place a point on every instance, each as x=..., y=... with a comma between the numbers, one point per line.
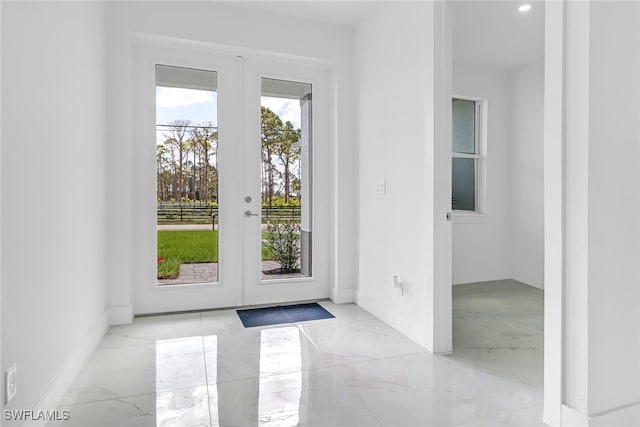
x=554, y=211
x=343, y=296
x=120, y=315
x=572, y=418
x=468, y=217
x=225, y=49
x=56, y=388
x=465, y=155
x=626, y=415
x=440, y=302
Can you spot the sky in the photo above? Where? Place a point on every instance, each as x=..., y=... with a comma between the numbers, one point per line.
x=197, y=106
x=200, y=106
x=286, y=109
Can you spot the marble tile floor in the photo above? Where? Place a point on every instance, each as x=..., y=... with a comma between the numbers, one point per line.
x=498, y=328
x=206, y=369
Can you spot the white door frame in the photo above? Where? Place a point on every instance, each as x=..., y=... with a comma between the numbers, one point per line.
x=442, y=306
x=554, y=215
x=235, y=286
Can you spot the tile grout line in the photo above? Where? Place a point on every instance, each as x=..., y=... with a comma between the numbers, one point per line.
x=342, y=365
x=206, y=375
x=369, y=411
x=128, y=396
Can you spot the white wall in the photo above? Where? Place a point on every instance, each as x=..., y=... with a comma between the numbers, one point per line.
x=614, y=207
x=53, y=186
x=525, y=172
x=395, y=92
x=601, y=330
x=480, y=242
x=236, y=27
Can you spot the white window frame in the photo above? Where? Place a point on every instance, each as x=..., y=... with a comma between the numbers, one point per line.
x=480, y=157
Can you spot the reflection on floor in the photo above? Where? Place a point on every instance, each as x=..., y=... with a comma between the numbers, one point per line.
x=205, y=369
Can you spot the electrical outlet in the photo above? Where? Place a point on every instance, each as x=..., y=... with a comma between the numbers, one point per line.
x=11, y=382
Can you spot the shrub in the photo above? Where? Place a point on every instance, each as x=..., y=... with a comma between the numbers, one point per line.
x=283, y=241
x=279, y=201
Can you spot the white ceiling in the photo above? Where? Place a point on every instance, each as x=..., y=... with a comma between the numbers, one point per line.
x=485, y=32
x=345, y=12
x=495, y=34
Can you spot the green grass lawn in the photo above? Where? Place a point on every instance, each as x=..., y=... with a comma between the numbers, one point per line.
x=185, y=247
x=188, y=247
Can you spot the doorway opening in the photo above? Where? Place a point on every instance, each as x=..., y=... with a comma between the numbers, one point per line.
x=497, y=190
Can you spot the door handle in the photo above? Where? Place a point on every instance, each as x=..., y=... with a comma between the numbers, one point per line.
x=249, y=213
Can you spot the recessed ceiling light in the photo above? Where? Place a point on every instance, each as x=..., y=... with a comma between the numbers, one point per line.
x=525, y=8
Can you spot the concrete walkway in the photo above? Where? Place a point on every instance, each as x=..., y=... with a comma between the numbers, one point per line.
x=208, y=273
x=177, y=227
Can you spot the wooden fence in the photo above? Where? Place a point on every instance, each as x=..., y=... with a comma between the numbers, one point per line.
x=187, y=213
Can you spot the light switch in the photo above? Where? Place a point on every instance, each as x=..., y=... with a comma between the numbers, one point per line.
x=381, y=187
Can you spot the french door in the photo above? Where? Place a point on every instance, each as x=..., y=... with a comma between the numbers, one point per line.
x=231, y=192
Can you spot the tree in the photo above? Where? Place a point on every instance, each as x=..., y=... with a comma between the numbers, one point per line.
x=271, y=131
x=164, y=175
x=288, y=152
x=176, y=140
x=205, y=141
x=186, y=162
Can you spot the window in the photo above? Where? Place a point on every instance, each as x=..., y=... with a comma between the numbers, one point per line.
x=466, y=157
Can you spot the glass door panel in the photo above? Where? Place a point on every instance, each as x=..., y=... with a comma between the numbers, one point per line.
x=286, y=179
x=186, y=175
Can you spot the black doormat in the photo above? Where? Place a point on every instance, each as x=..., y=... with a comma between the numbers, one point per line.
x=282, y=314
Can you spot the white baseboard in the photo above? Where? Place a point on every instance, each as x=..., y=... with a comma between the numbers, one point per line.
x=530, y=283
x=550, y=416
x=343, y=296
x=120, y=314
x=62, y=380
x=397, y=320
x=533, y=285
x=623, y=416
x=573, y=418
